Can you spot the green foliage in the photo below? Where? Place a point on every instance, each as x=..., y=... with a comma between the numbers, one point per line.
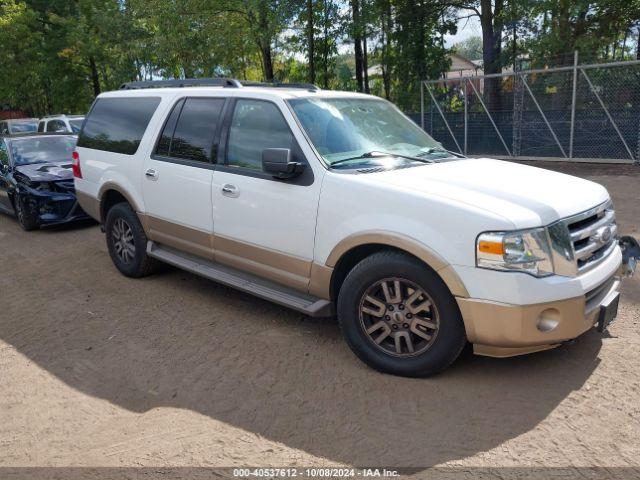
x=471, y=48
x=56, y=55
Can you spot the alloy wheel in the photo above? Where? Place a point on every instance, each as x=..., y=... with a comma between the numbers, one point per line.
x=399, y=317
x=123, y=240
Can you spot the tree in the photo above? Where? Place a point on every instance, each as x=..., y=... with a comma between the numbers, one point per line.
x=471, y=48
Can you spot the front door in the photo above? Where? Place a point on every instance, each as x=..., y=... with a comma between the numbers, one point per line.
x=263, y=225
x=177, y=177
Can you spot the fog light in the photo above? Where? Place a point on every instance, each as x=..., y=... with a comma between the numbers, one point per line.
x=548, y=320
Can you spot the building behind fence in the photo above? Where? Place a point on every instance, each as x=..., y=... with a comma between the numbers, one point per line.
x=578, y=112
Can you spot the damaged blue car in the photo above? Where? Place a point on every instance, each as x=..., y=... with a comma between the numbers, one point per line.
x=36, y=180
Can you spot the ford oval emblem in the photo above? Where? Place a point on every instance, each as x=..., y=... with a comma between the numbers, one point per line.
x=602, y=235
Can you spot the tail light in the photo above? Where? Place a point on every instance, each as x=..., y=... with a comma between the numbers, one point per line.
x=77, y=171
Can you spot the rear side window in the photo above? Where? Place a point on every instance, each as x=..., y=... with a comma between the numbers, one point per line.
x=118, y=124
x=191, y=130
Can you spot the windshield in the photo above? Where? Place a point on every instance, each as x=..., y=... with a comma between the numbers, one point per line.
x=350, y=128
x=42, y=149
x=76, y=125
x=23, y=127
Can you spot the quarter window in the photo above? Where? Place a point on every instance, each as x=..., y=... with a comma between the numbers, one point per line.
x=118, y=124
x=256, y=126
x=164, y=145
x=191, y=129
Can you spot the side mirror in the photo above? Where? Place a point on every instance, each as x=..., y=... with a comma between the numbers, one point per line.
x=4, y=168
x=279, y=162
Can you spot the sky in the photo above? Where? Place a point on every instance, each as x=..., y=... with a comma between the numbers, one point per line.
x=468, y=27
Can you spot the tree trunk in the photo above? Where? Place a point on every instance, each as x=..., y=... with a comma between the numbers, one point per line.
x=491, y=50
x=325, y=49
x=357, y=43
x=310, y=40
x=267, y=62
x=386, y=48
x=365, y=63
x=95, y=78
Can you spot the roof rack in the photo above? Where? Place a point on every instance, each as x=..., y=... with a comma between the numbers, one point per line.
x=212, y=82
x=64, y=115
x=305, y=86
x=181, y=83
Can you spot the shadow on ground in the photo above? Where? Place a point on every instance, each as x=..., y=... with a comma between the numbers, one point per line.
x=175, y=340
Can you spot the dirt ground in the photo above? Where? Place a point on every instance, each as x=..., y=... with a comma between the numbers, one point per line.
x=97, y=370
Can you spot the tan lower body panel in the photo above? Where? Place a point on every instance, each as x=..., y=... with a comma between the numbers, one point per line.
x=503, y=352
x=178, y=236
x=89, y=204
x=281, y=268
x=503, y=330
x=269, y=264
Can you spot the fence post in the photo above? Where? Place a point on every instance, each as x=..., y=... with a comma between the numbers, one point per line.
x=466, y=116
x=573, y=102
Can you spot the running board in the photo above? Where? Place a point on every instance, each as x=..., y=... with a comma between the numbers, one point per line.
x=287, y=297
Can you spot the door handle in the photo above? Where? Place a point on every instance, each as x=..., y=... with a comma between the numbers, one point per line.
x=151, y=174
x=230, y=190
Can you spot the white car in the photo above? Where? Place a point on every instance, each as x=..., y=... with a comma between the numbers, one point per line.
x=61, y=123
x=337, y=203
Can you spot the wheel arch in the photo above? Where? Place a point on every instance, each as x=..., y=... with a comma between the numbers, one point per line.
x=111, y=194
x=348, y=253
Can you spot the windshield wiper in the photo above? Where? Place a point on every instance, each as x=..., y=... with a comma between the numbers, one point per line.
x=441, y=150
x=376, y=154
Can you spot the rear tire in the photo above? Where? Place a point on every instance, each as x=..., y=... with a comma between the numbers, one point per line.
x=399, y=317
x=127, y=242
x=26, y=221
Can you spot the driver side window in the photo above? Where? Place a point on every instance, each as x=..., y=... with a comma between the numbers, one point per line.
x=256, y=126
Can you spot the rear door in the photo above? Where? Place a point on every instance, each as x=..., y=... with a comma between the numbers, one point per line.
x=177, y=176
x=263, y=225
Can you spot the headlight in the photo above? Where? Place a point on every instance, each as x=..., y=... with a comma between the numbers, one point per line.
x=525, y=251
x=44, y=187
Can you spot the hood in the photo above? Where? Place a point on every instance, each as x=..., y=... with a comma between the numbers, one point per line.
x=526, y=196
x=47, y=172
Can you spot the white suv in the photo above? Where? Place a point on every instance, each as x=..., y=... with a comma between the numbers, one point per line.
x=337, y=203
x=61, y=123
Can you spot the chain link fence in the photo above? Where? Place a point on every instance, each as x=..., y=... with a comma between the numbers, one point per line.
x=577, y=112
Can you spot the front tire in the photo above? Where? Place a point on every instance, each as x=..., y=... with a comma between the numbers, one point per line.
x=26, y=221
x=127, y=242
x=399, y=317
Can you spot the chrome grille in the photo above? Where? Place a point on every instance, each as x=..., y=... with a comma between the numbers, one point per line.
x=593, y=235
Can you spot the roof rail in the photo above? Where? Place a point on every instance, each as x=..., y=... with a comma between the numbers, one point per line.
x=212, y=82
x=65, y=115
x=306, y=86
x=180, y=83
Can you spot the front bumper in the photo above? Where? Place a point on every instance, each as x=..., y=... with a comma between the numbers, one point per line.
x=52, y=208
x=502, y=329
